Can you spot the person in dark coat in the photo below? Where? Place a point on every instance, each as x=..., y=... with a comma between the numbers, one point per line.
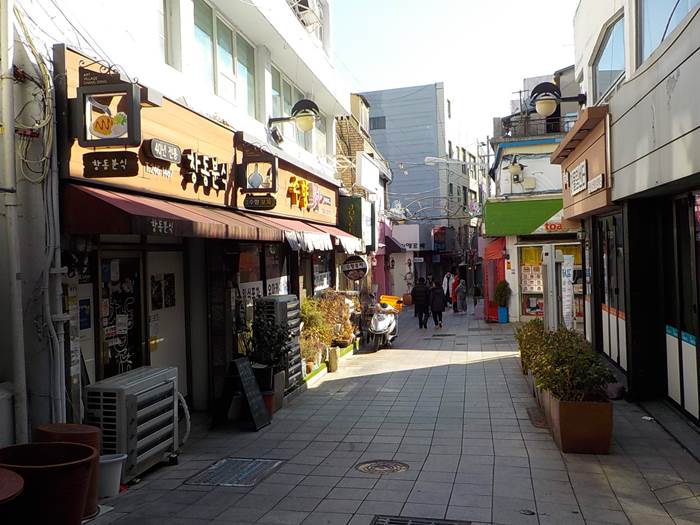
x=421, y=297
x=437, y=303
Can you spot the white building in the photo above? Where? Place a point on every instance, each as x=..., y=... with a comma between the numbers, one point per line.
x=238, y=63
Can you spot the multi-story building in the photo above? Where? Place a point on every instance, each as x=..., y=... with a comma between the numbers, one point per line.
x=631, y=165
x=179, y=200
x=525, y=213
x=408, y=125
x=366, y=177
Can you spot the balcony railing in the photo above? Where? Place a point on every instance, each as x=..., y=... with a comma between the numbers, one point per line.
x=529, y=126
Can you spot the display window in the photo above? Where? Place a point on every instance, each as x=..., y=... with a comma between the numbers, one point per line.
x=277, y=274
x=250, y=283
x=322, y=264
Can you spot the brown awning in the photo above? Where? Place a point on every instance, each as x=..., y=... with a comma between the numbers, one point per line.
x=88, y=211
x=586, y=122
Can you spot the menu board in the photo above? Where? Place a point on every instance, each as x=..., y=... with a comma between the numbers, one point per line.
x=251, y=392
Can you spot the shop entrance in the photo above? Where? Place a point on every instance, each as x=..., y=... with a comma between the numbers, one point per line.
x=681, y=239
x=122, y=339
x=612, y=288
x=494, y=271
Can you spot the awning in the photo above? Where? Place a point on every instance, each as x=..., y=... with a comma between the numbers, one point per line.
x=519, y=217
x=299, y=234
x=89, y=211
x=350, y=243
x=392, y=245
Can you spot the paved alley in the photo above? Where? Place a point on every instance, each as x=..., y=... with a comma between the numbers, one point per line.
x=451, y=404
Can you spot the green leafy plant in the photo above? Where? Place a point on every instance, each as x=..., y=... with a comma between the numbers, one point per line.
x=502, y=294
x=530, y=337
x=567, y=367
x=269, y=340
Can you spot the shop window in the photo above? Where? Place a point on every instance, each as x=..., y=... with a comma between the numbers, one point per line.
x=531, y=281
x=322, y=270
x=658, y=18
x=277, y=275
x=245, y=68
x=249, y=277
x=609, y=66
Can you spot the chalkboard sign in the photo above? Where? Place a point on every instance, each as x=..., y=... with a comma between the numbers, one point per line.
x=251, y=392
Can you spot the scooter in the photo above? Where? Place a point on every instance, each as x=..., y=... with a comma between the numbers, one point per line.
x=384, y=326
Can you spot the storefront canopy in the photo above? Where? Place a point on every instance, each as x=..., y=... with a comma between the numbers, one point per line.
x=519, y=217
x=88, y=211
x=350, y=243
x=299, y=234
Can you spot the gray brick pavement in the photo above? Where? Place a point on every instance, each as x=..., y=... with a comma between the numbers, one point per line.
x=454, y=409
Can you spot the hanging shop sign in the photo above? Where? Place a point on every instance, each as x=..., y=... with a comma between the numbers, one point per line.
x=596, y=183
x=161, y=151
x=107, y=115
x=578, y=178
x=354, y=268
x=257, y=172
x=259, y=202
x=101, y=164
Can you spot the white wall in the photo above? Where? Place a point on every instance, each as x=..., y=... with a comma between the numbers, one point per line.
x=547, y=176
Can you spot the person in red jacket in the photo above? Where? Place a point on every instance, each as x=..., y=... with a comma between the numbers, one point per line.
x=453, y=294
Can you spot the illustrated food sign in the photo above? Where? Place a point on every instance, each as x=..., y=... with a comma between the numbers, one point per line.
x=257, y=171
x=109, y=115
x=354, y=268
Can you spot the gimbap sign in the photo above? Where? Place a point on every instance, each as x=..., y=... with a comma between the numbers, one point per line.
x=354, y=268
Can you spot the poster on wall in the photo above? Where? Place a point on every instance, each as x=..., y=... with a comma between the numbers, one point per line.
x=567, y=291
x=169, y=290
x=163, y=291
x=322, y=280
x=156, y=292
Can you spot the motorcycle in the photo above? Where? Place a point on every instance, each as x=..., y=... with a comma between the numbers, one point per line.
x=384, y=326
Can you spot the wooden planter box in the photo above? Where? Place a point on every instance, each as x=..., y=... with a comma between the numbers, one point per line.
x=582, y=427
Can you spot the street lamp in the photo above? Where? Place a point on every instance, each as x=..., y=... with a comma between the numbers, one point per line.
x=546, y=96
x=304, y=114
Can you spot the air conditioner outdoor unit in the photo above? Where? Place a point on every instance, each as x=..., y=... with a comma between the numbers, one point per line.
x=137, y=412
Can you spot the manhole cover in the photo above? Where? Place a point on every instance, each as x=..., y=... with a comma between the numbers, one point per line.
x=402, y=520
x=235, y=472
x=382, y=466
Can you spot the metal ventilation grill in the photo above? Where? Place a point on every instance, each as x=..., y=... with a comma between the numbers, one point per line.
x=401, y=520
x=104, y=404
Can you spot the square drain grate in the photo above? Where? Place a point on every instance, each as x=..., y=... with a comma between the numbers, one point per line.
x=235, y=472
x=402, y=520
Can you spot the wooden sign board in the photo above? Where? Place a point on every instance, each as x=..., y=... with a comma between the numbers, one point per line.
x=101, y=164
x=251, y=392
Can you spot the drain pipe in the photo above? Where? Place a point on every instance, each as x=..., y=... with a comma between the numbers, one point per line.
x=8, y=187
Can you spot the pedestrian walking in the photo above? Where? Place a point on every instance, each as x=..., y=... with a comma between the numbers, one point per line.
x=476, y=293
x=453, y=295
x=447, y=285
x=437, y=303
x=462, y=295
x=421, y=299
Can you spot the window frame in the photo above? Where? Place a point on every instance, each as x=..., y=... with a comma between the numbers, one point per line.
x=605, y=39
x=381, y=118
x=217, y=16
x=639, y=28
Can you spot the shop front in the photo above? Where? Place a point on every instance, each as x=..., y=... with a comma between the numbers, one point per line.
x=172, y=225
x=527, y=227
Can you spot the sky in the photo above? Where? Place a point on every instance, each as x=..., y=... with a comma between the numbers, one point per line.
x=482, y=50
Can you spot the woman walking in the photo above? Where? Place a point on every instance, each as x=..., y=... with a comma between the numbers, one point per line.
x=437, y=303
x=462, y=295
x=453, y=295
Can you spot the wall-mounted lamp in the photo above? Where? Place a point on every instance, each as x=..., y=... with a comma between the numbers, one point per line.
x=515, y=169
x=546, y=97
x=304, y=114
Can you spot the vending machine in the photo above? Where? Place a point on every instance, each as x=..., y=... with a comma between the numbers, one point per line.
x=558, y=281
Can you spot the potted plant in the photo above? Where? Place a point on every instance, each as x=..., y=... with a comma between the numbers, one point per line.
x=573, y=382
x=502, y=297
x=315, y=333
x=270, y=342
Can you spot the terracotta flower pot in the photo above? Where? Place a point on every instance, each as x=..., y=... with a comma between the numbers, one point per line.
x=56, y=478
x=85, y=434
x=583, y=427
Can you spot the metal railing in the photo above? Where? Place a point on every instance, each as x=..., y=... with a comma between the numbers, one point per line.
x=527, y=126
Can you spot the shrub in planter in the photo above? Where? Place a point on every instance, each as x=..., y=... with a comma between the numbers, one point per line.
x=578, y=411
x=501, y=296
x=530, y=338
x=270, y=342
